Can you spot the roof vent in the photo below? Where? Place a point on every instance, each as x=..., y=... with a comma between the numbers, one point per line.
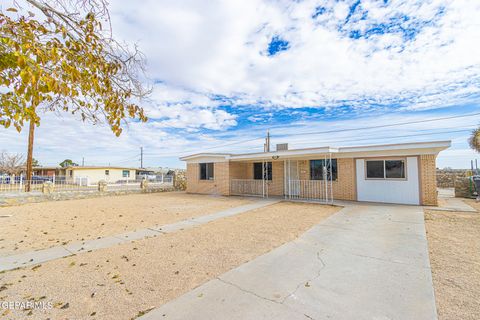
x=282, y=146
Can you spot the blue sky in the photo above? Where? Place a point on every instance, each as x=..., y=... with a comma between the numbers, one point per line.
x=224, y=72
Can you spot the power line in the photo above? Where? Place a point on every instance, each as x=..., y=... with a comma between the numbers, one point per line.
x=214, y=147
x=332, y=131
x=352, y=140
x=400, y=136
x=379, y=126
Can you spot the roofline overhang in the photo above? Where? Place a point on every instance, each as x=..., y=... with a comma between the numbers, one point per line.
x=201, y=155
x=432, y=147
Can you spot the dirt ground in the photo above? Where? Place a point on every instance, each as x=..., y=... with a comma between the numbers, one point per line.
x=454, y=246
x=47, y=224
x=124, y=281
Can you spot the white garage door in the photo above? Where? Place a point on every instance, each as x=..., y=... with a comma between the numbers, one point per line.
x=389, y=180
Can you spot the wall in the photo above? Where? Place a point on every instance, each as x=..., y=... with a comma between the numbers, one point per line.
x=446, y=177
x=428, y=179
x=220, y=185
x=389, y=191
x=344, y=187
x=95, y=175
x=276, y=186
x=244, y=170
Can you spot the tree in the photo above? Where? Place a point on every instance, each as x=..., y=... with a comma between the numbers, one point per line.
x=11, y=163
x=64, y=61
x=35, y=162
x=68, y=163
x=474, y=140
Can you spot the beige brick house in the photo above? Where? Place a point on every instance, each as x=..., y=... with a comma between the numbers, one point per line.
x=393, y=173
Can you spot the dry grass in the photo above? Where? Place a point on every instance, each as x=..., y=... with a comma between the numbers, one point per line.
x=47, y=224
x=125, y=280
x=454, y=245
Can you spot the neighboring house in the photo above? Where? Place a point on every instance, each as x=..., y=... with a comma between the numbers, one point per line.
x=394, y=173
x=94, y=174
x=49, y=171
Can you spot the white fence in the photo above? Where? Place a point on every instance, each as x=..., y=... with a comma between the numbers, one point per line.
x=248, y=187
x=17, y=184
x=155, y=178
x=316, y=190
x=313, y=190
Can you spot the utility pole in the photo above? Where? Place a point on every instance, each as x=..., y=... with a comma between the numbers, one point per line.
x=83, y=161
x=30, y=155
x=266, y=146
x=141, y=157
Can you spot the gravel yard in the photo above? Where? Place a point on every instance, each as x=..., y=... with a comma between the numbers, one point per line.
x=124, y=281
x=47, y=224
x=454, y=246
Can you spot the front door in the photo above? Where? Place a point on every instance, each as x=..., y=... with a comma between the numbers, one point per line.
x=292, y=182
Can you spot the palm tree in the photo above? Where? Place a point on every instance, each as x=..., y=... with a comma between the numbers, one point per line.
x=474, y=140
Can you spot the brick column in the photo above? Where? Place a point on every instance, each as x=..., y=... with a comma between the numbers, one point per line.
x=428, y=180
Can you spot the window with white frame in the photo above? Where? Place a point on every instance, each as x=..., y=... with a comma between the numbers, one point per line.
x=126, y=173
x=385, y=169
x=317, y=169
x=262, y=169
x=206, y=171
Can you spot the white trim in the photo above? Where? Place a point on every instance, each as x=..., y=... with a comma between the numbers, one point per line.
x=223, y=156
x=405, y=191
x=398, y=149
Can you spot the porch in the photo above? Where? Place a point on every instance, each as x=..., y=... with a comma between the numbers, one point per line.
x=294, y=179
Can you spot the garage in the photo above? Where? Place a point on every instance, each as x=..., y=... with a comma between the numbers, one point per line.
x=389, y=180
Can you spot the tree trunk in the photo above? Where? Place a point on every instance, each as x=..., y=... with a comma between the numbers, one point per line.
x=31, y=133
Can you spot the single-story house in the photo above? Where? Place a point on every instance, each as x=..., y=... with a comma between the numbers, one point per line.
x=394, y=173
x=49, y=171
x=93, y=174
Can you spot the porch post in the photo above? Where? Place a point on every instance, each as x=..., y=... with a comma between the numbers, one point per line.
x=289, y=180
x=331, y=178
x=285, y=179
x=263, y=179
x=325, y=178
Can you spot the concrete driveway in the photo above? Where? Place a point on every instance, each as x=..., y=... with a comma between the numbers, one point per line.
x=368, y=261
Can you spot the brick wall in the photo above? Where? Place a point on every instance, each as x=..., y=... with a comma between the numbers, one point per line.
x=219, y=185
x=428, y=183
x=344, y=187
x=275, y=187
x=238, y=170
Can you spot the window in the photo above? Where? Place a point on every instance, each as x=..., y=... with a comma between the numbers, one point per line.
x=206, y=171
x=394, y=169
x=385, y=169
x=375, y=169
x=126, y=173
x=258, y=170
x=107, y=172
x=317, y=166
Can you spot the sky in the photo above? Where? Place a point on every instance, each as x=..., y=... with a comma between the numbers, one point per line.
x=225, y=72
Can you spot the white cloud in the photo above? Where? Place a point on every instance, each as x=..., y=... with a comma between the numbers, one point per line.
x=219, y=47
x=200, y=50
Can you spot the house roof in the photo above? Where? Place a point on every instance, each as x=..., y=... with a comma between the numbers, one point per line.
x=98, y=167
x=47, y=168
x=412, y=148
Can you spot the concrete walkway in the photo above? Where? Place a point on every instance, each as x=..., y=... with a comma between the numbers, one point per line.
x=368, y=261
x=44, y=255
